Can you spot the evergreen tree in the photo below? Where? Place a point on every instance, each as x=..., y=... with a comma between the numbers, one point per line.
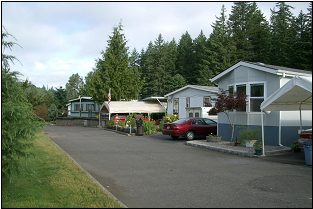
x=134, y=58
x=61, y=99
x=75, y=87
x=222, y=48
x=95, y=85
x=159, y=67
x=240, y=16
x=185, y=56
x=201, y=56
x=259, y=35
x=19, y=124
x=301, y=55
x=177, y=81
x=147, y=89
x=282, y=35
x=115, y=71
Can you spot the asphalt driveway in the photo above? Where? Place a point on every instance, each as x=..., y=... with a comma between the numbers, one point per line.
x=156, y=171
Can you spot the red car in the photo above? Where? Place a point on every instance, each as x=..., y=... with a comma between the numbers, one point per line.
x=190, y=128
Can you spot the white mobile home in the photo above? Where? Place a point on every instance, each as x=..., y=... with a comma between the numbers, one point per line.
x=191, y=101
x=259, y=81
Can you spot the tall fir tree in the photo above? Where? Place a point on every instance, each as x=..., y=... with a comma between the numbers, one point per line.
x=115, y=71
x=220, y=43
x=200, y=57
x=185, y=56
x=159, y=67
x=282, y=35
x=259, y=35
x=301, y=55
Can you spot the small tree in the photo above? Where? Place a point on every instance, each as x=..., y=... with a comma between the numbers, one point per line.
x=226, y=103
x=52, y=111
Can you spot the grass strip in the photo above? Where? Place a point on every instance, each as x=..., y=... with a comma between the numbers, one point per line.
x=50, y=179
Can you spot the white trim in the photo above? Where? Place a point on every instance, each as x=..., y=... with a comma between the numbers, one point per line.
x=203, y=88
x=285, y=72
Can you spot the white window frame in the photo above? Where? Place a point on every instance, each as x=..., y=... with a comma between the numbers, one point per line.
x=205, y=97
x=188, y=102
x=175, y=110
x=249, y=97
x=248, y=93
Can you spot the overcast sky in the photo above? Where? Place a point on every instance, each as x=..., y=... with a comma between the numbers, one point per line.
x=63, y=38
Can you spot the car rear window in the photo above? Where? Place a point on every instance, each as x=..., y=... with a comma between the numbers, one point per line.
x=181, y=121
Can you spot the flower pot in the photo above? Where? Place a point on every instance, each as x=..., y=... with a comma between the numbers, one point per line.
x=213, y=138
x=250, y=143
x=258, y=151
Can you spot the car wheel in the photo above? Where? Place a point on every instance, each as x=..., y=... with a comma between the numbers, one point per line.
x=190, y=135
x=175, y=137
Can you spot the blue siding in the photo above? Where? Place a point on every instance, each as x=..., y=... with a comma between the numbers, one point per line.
x=84, y=113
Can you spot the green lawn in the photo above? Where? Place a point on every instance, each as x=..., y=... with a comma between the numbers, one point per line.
x=51, y=179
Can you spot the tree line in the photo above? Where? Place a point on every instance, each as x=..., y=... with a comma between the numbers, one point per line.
x=285, y=40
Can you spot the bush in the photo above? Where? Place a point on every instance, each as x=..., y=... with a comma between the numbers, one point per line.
x=246, y=134
x=149, y=127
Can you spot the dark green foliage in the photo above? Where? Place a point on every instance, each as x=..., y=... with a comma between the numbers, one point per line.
x=185, y=57
x=282, y=34
x=18, y=121
x=116, y=71
x=52, y=112
x=159, y=67
x=60, y=98
x=75, y=87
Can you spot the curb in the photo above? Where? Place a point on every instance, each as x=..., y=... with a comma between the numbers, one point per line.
x=235, y=152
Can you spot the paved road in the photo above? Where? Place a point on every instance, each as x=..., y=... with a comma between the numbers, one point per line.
x=156, y=171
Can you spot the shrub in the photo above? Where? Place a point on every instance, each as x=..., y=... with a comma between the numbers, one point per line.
x=246, y=135
x=149, y=127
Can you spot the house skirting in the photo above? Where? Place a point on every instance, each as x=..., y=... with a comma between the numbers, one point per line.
x=69, y=121
x=289, y=134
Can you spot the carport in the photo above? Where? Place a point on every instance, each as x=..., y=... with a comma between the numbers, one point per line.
x=296, y=94
x=131, y=107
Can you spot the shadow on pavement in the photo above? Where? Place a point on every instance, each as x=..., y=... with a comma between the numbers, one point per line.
x=294, y=158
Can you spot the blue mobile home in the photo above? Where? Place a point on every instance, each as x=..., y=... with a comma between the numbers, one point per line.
x=89, y=109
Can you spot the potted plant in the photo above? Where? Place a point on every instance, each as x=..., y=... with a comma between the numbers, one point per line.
x=295, y=146
x=258, y=147
x=248, y=137
x=213, y=138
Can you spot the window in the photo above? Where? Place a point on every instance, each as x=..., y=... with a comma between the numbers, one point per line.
x=256, y=96
x=197, y=122
x=91, y=107
x=197, y=114
x=230, y=90
x=241, y=89
x=175, y=109
x=207, y=102
x=209, y=122
x=190, y=115
x=188, y=102
x=76, y=107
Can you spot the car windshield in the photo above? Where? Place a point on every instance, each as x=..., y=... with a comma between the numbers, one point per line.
x=181, y=121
